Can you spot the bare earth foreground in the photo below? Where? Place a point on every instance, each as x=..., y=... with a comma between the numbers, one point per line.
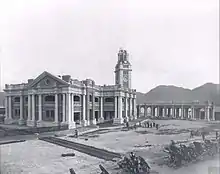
x=38, y=157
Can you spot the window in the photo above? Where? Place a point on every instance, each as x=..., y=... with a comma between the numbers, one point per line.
x=17, y=99
x=50, y=98
x=96, y=99
x=26, y=99
x=90, y=98
x=76, y=98
x=109, y=99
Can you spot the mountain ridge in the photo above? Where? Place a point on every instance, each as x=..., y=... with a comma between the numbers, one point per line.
x=207, y=91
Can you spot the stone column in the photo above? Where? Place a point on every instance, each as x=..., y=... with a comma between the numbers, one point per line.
x=73, y=109
x=6, y=107
x=93, y=109
x=182, y=112
x=126, y=108
x=40, y=107
x=119, y=119
x=192, y=113
x=101, y=109
x=145, y=110
x=158, y=111
x=56, y=108
x=84, y=121
x=152, y=111
x=116, y=107
x=73, y=124
x=213, y=113
x=64, y=109
x=87, y=107
x=208, y=113
x=9, y=108
x=68, y=109
x=131, y=108
x=164, y=112
x=173, y=112
x=135, y=108
x=33, y=108
x=29, y=107
x=21, y=120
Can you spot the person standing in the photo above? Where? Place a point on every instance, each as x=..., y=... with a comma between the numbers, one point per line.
x=76, y=133
x=191, y=134
x=203, y=136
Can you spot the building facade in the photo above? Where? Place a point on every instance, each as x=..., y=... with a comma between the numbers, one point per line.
x=50, y=100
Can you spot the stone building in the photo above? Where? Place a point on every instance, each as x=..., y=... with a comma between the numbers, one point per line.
x=50, y=100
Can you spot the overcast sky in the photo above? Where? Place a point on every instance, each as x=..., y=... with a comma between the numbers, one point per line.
x=170, y=42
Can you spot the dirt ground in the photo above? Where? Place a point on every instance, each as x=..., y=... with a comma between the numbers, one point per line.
x=39, y=157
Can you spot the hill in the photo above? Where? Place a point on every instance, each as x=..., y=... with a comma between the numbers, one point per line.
x=208, y=91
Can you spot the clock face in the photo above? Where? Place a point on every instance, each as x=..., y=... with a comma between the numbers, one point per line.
x=125, y=78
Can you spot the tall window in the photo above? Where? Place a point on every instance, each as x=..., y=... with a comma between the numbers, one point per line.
x=90, y=98
x=96, y=99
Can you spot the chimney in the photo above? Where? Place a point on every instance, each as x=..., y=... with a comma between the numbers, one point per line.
x=66, y=78
x=30, y=80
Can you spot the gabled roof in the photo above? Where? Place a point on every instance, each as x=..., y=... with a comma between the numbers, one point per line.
x=46, y=74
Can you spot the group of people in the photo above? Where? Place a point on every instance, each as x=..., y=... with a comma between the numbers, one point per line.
x=148, y=124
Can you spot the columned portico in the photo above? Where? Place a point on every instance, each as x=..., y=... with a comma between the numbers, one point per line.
x=203, y=111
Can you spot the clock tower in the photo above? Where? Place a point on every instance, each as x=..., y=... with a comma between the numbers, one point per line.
x=123, y=70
